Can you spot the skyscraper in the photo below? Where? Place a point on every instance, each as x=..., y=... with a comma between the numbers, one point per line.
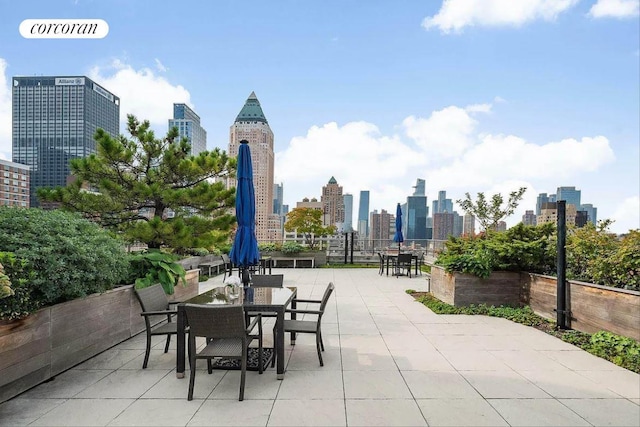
x=188, y=124
x=15, y=191
x=542, y=199
x=529, y=218
x=381, y=234
x=569, y=194
x=443, y=224
x=348, y=212
x=333, y=203
x=469, y=225
x=251, y=125
x=592, y=212
x=363, y=214
x=54, y=120
x=416, y=212
x=442, y=204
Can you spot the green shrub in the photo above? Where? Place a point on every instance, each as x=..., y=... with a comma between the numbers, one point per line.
x=20, y=304
x=154, y=266
x=65, y=256
x=199, y=251
x=291, y=248
x=269, y=247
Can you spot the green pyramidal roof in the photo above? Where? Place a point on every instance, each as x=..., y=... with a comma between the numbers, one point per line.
x=251, y=112
x=333, y=181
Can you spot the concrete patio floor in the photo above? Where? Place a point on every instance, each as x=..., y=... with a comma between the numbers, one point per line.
x=389, y=361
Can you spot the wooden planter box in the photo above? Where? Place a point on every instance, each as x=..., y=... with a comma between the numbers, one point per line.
x=56, y=338
x=500, y=288
x=59, y=337
x=183, y=293
x=319, y=258
x=593, y=307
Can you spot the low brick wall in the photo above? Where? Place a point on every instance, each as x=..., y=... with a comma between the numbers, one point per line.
x=56, y=338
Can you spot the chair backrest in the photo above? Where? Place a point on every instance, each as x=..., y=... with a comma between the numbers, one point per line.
x=215, y=321
x=380, y=256
x=267, y=280
x=404, y=258
x=325, y=297
x=152, y=298
x=225, y=259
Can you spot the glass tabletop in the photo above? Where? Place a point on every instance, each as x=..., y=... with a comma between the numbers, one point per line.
x=255, y=295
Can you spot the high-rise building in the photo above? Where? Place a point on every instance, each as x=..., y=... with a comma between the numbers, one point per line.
x=54, y=120
x=542, y=198
x=348, y=212
x=188, y=124
x=415, y=213
x=251, y=125
x=442, y=204
x=529, y=218
x=363, y=214
x=443, y=224
x=381, y=234
x=501, y=226
x=312, y=203
x=333, y=203
x=549, y=213
x=458, y=224
x=14, y=190
x=569, y=194
x=278, y=198
x=469, y=225
x=592, y=212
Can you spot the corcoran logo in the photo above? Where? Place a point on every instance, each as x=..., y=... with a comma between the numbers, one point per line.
x=64, y=28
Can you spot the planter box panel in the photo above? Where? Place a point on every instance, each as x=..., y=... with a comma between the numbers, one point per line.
x=24, y=339
x=75, y=352
x=183, y=293
x=24, y=382
x=442, y=285
x=82, y=318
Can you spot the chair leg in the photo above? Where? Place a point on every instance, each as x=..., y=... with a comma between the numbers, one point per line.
x=243, y=373
x=166, y=346
x=148, y=350
x=318, y=349
x=321, y=341
x=192, y=378
x=273, y=356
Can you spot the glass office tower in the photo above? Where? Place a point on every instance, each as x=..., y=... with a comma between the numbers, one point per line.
x=54, y=120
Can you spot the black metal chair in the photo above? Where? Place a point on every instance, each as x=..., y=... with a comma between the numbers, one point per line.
x=155, y=309
x=228, y=266
x=404, y=264
x=227, y=336
x=310, y=326
x=381, y=266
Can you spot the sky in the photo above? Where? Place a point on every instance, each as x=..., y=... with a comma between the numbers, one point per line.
x=470, y=95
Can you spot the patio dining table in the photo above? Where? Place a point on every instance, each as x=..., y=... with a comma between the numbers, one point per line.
x=256, y=299
x=388, y=257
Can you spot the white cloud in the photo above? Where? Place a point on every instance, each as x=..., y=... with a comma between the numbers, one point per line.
x=446, y=133
x=615, y=9
x=446, y=149
x=499, y=100
x=627, y=215
x=142, y=93
x=356, y=154
x=160, y=66
x=478, y=108
x=454, y=15
x=5, y=113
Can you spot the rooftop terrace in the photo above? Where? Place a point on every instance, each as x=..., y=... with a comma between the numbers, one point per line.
x=388, y=361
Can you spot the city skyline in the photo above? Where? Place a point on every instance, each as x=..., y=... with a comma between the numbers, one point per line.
x=469, y=98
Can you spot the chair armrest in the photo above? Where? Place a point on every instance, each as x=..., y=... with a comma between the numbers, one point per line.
x=156, y=313
x=307, y=300
x=257, y=319
x=303, y=311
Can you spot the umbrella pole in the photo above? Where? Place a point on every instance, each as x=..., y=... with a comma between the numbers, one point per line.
x=245, y=277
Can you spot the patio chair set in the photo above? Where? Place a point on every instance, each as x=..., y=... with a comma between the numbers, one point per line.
x=400, y=264
x=228, y=329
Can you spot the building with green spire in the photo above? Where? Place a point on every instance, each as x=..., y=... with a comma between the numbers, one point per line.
x=252, y=125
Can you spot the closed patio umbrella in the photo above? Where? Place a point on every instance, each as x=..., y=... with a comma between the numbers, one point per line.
x=244, y=251
x=397, y=237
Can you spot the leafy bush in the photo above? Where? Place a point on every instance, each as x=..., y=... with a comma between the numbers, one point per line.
x=20, y=304
x=199, y=251
x=269, y=247
x=154, y=266
x=521, y=248
x=598, y=256
x=62, y=255
x=291, y=248
x=5, y=284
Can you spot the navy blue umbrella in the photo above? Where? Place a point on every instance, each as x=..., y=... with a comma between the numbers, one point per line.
x=398, y=236
x=244, y=251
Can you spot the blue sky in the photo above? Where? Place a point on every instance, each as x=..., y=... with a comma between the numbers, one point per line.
x=471, y=95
